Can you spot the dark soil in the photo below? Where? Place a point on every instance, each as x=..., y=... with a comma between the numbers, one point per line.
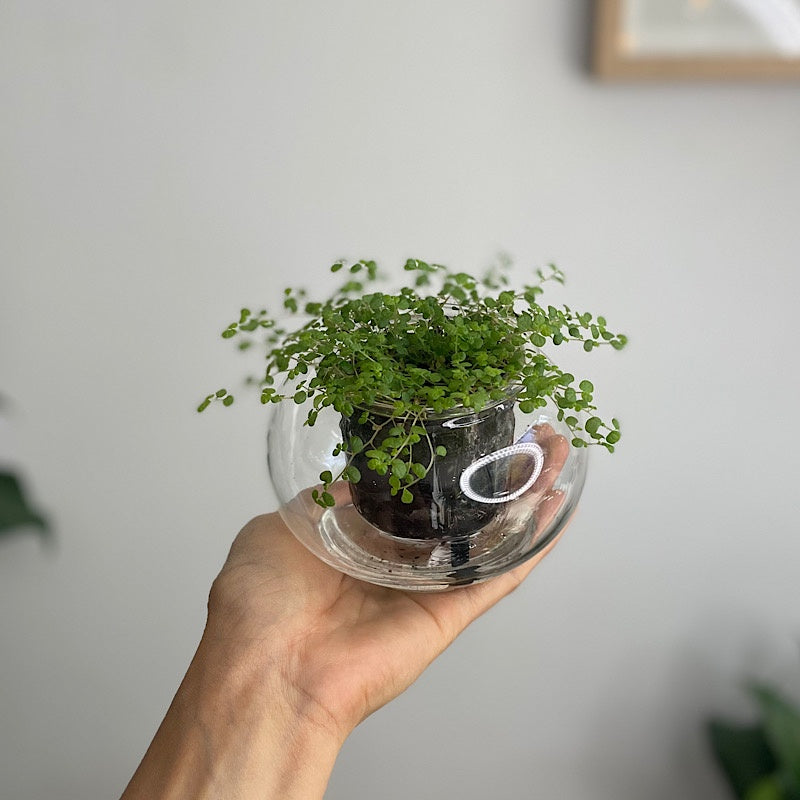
x=439, y=508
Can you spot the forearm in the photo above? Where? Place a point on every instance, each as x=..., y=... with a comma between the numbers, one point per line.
x=232, y=732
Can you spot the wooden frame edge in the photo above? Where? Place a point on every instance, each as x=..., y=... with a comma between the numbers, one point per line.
x=608, y=64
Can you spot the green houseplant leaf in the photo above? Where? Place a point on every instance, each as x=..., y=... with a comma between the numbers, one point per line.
x=782, y=730
x=744, y=754
x=769, y=788
x=761, y=761
x=15, y=512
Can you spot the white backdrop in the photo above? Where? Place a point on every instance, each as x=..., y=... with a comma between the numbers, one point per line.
x=166, y=162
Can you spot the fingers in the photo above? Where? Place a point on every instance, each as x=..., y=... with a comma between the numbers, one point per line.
x=547, y=510
x=544, y=503
x=480, y=597
x=517, y=575
x=556, y=451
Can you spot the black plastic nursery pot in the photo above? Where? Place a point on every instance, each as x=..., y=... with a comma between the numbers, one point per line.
x=440, y=509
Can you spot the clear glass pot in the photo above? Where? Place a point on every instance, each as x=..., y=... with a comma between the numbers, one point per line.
x=505, y=489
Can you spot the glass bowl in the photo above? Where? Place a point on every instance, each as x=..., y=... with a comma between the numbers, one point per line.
x=506, y=487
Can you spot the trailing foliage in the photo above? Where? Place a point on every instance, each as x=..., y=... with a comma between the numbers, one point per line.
x=449, y=341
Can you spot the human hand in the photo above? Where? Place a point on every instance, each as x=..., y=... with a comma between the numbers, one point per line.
x=296, y=654
x=348, y=647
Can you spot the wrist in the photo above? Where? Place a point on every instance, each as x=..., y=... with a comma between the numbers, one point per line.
x=235, y=729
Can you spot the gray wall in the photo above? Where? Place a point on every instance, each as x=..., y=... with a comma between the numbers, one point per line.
x=166, y=162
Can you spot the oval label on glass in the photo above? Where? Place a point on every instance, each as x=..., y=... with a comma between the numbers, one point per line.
x=480, y=480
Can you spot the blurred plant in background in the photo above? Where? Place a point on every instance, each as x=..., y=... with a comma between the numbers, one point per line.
x=762, y=760
x=15, y=509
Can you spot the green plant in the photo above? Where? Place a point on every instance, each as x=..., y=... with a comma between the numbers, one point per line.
x=761, y=761
x=450, y=340
x=15, y=510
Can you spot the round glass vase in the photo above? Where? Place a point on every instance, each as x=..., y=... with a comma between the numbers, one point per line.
x=504, y=490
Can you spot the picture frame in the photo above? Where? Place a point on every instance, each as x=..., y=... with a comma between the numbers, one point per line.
x=696, y=39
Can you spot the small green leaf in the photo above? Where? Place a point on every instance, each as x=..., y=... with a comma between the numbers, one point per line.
x=356, y=444
x=221, y=392
x=441, y=451
x=353, y=474
x=576, y=442
x=613, y=437
x=337, y=266
x=326, y=477
x=593, y=425
x=586, y=386
x=327, y=499
x=300, y=397
x=203, y=406
x=407, y=497
x=228, y=401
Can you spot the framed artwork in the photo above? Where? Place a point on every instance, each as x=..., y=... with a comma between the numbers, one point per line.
x=697, y=39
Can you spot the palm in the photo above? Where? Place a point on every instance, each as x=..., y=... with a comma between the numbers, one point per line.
x=360, y=644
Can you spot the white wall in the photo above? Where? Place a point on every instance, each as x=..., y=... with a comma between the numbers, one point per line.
x=165, y=162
